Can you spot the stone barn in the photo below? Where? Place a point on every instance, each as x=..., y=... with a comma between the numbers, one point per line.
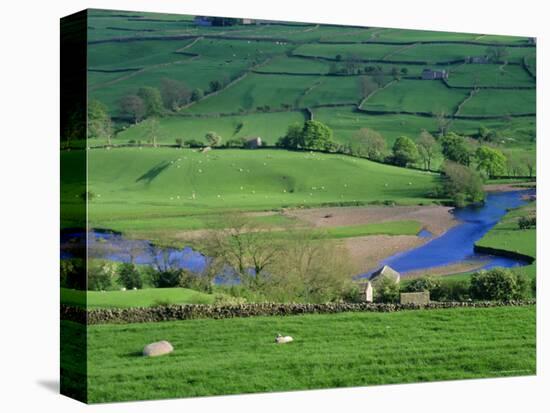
x=429, y=74
x=385, y=272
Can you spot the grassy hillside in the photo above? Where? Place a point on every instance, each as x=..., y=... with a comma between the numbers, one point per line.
x=348, y=349
x=292, y=65
x=132, y=184
x=416, y=96
x=270, y=126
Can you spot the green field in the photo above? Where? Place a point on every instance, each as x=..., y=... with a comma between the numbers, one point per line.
x=490, y=75
x=270, y=126
x=338, y=350
x=416, y=96
x=439, y=53
x=133, y=184
x=507, y=236
x=495, y=102
x=207, y=54
x=195, y=72
x=256, y=91
x=134, y=298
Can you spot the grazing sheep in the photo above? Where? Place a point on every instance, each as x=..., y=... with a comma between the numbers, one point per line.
x=283, y=339
x=123, y=289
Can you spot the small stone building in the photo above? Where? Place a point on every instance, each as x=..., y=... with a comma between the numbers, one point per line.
x=418, y=298
x=429, y=74
x=385, y=272
x=368, y=287
x=253, y=143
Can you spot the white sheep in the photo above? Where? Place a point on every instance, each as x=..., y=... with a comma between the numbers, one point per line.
x=283, y=339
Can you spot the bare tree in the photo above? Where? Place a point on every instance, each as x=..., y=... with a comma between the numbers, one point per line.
x=367, y=85
x=370, y=143
x=427, y=148
x=246, y=248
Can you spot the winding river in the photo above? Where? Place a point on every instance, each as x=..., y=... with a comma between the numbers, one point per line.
x=453, y=247
x=457, y=244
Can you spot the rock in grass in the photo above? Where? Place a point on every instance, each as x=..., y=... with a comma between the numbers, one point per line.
x=157, y=349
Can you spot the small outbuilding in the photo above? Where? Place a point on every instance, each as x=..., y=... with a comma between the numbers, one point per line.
x=253, y=143
x=429, y=74
x=385, y=272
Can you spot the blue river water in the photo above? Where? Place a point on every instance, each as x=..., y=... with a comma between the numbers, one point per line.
x=457, y=244
x=454, y=246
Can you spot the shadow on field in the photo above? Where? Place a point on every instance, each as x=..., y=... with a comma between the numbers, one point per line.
x=152, y=173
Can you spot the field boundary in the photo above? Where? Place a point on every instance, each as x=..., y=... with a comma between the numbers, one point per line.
x=504, y=253
x=201, y=311
x=446, y=83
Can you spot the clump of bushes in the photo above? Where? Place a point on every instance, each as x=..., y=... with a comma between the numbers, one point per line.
x=73, y=274
x=129, y=276
x=527, y=222
x=499, y=284
x=441, y=290
x=101, y=275
x=386, y=290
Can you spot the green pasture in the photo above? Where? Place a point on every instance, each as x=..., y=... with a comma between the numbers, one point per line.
x=134, y=298
x=432, y=53
x=195, y=72
x=416, y=96
x=138, y=54
x=256, y=91
x=470, y=75
x=331, y=51
x=345, y=123
x=237, y=49
x=269, y=126
x=507, y=236
x=349, y=349
x=296, y=65
x=140, y=184
x=500, y=102
x=329, y=89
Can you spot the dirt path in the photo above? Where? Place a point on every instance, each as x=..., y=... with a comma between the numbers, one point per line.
x=436, y=219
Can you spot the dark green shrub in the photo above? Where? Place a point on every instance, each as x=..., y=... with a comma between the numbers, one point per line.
x=73, y=274
x=100, y=276
x=422, y=284
x=527, y=222
x=499, y=284
x=129, y=276
x=451, y=290
x=166, y=279
x=194, y=143
x=386, y=291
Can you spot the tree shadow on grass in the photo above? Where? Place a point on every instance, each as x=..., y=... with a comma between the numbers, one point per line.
x=152, y=173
